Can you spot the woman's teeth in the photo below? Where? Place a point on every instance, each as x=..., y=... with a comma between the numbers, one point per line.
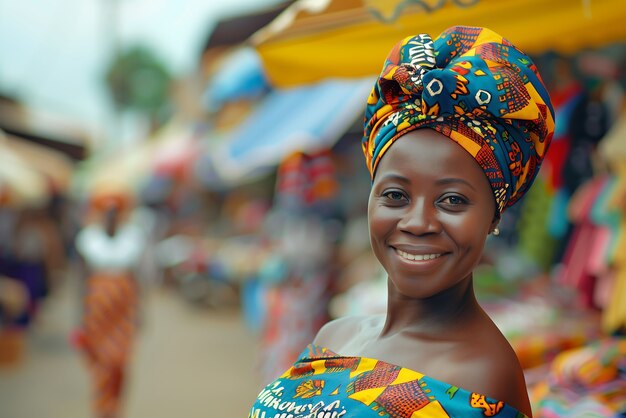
x=417, y=257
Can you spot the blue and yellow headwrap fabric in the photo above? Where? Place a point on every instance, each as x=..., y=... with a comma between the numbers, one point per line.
x=476, y=88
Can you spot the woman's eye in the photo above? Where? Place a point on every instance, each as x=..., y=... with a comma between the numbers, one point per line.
x=394, y=195
x=454, y=200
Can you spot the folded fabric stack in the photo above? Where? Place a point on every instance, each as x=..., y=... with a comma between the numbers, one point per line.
x=540, y=321
x=588, y=381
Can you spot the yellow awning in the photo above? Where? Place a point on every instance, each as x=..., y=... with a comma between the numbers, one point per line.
x=344, y=39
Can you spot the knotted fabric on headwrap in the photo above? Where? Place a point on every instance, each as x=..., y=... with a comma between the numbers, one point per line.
x=476, y=88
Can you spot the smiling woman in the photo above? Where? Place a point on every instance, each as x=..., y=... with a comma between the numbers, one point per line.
x=455, y=132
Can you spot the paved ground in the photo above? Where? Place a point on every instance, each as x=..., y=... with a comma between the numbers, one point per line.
x=190, y=363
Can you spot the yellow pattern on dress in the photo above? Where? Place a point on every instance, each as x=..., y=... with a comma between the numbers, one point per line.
x=407, y=375
x=365, y=365
x=319, y=366
x=367, y=396
x=432, y=410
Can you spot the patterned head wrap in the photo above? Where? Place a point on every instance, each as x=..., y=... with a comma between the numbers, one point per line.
x=476, y=88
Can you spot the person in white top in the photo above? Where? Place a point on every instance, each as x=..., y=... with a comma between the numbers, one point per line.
x=111, y=250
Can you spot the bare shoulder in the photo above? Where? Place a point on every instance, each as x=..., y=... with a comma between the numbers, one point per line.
x=495, y=371
x=342, y=332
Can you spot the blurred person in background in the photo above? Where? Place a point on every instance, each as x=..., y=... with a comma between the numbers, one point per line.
x=455, y=132
x=111, y=248
x=39, y=254
x=31, y=253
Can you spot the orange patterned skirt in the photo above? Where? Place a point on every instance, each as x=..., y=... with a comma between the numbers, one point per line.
x=109, y=324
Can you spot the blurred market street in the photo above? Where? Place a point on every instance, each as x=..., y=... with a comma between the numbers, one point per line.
x=185, y=196
x=190, y=362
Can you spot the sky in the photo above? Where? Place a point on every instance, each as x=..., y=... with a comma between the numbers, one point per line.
x=53, y=52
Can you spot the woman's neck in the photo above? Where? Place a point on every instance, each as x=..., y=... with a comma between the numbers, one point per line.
x=434, y=316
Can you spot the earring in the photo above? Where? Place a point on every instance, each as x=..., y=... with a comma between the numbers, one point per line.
x=496, y=231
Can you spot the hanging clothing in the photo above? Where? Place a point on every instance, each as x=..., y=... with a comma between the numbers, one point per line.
x=324, y=383
x=535, y=241
x=564, y=102
x=589, y=123
x=297, y=288
x=583, y=256
x=614, y=314
x=296, y=311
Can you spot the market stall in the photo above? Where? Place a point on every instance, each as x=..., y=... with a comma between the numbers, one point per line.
x=554, y=286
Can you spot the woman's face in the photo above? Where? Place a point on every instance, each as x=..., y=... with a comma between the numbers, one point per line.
x=430, y=210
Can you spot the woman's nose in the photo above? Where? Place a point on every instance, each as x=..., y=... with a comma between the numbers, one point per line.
x=420, y=218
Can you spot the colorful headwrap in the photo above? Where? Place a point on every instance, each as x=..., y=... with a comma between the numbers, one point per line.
x=476, y=88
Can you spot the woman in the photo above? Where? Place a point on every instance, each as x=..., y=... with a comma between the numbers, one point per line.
x=111, y=249
x=455, y=131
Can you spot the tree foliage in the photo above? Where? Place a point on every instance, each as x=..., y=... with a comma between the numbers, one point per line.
x=137, y=80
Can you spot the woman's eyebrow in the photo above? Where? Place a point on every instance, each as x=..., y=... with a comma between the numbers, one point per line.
x=394, y=176
x=452, y=180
